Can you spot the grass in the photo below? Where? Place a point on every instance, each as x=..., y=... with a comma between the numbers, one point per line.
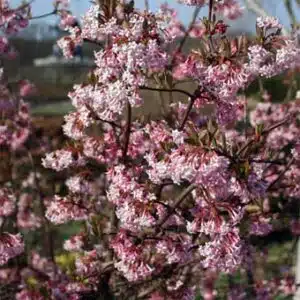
x=52, y=109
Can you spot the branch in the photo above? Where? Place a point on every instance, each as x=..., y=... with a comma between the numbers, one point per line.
x=210, y=10
x=264, y=132
x=178, y=201
x=281, y=174
x=95, y=116
x=127, y=132
x=188, y=110
x=44, y=15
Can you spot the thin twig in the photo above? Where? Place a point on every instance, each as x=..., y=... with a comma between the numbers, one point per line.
x=210, y=10
x=178, y=201
x=264, y=132
x=127, y=131
x=44, y=15
x=188, y=110
x=281, y=174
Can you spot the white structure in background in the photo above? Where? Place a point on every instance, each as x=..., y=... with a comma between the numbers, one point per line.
x=57, y=61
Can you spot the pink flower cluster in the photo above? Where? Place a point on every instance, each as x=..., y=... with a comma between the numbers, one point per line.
x=10, y=246
x=179, y=190
x=164, y=203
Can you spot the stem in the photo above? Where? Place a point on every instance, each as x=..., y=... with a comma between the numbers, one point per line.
x=264, y=132
x=251, y=282
x=210, y=11
x=189, y=108
x=178, y=201
x=44, y=15
x=282, y=173
x=127, y=132
x=94, y=115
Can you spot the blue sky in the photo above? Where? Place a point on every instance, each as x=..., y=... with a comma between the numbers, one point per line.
x=275, y=7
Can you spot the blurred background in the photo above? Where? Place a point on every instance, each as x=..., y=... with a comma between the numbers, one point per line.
x=39, y=59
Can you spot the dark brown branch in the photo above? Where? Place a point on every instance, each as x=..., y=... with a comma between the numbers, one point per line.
x=44, y=15
x=94, y=115
x=210, y=10
x=188, y=110
x=178, y=201
x=264, y=132
x=127, y=131
x=282, y=173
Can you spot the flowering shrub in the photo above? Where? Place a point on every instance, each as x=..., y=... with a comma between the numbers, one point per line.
x=167, y=204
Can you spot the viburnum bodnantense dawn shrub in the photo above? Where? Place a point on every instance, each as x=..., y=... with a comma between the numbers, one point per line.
x=166, y=205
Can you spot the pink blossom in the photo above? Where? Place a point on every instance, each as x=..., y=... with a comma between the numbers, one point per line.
x=26, y=88
x=229, y=8
x=10, y=247
x=75, y=243
x=26, y=294
x=7, y=202
x=62, y=159
x=62, y=210
x=268, y=22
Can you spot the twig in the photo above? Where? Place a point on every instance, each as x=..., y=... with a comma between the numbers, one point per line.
x=210, y=10
x=188, y=110
x=281, y=174
x=178, y=201
x=44, y=15
x=94, y=115
x=127, y=132
x=264, y=132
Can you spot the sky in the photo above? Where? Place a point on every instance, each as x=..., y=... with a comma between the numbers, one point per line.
x=78, y=7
